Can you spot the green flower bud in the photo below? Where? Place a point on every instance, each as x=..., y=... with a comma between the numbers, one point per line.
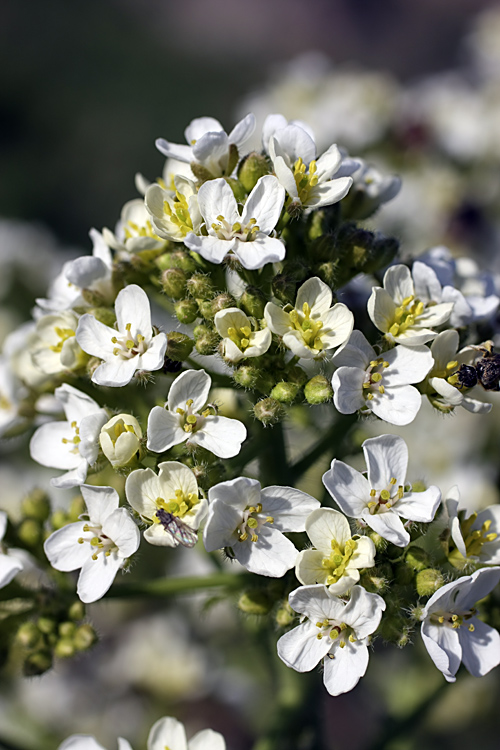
x=92, y=365
x=37, y=663
x=221, y=302
x=36, y=505
x=379, y=542
x=285, y=392
x=251, y=169
x=417, y=558
x=58, y=519
x=246, y=376
x=67, y=629
x=64, y=648
x=176, y=259
x=179, y=346
x=318, y=390
x=428, y=581
x=186, y=311
x=76, y=508
x=323, y=223
x=201, y=173
x=84, y=637
x=285, y=287
x=30, y=532
x=207, y=343
x=93, y=298
x=269, y=411
x=239, y=191
x=253, y=302
x=374, y=583
x=297, y=375
x=29, y=636
x=173, y=281
x=285, y=615
x=200, y=286
x=205, y=308
x=104, y=315
x=77, y=611
x=255, y=602
x=329, y=273
x=46, y=625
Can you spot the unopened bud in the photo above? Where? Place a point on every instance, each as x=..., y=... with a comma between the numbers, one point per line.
x=285, y=615
x=104, y=315
x=58, y=519
x=297, y=375
x=186, y=311
x=246, y=376
x=92, y=365
x=269, y=411
x=64, y=648
x=179, y=346
x=28, y=635
x=30, y=532
x=251, y=169
x=221, y=302
x=205, y=308
x=318, y=390
x=379, y=542
x=239, y=191
x=46, y=625
x=200, y=286
x=255, y=602
x=176, y=259
x=67, y=629
x=284, y=287
x=93, y=298
x=173, y=281
x=77, y=611
x=36, y=505
x=37, y=663
x=417, y=558
x=201, y=173
x=428, y=581
x=84, y=637
x=285, y=392
x=376, y=584
x=209, y=474
x=207, y=343
x=120, y=440
x=253, y=302
x=76, y=508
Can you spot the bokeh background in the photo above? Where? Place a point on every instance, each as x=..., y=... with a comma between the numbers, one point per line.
x=85, y=90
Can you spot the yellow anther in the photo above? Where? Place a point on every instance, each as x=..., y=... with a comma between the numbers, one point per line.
x=454, y=618
x=373, y=493
x=419, y=309
x=140, y=338
x=490, y=537
x=128, y=326
x=385, y=363
x=407, y=300
x=394, y=329
x=255, y=538
x=270, y=519
x=471, y=628
x=259, y=508
x=81, y=540
x=441, y=619
x=369, y=396
x=392, y=480
x=319, y=624
x=116, y=351
x=86, y=527
x=244, y=343
x=246, y=331
x=114, y=340
x=401, y=492
x=381, y=389
x=94, y=556
x=220, y=217
x=452, y=365
x=367, y=385
x=236, y=227
x=243, y=537
x=306, y=309
x=352, y=638
x=319, y=636
x=342, y=644
x=189, y=402
x=371, y=504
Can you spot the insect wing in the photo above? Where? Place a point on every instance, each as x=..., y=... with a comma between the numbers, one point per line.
x=179, y=530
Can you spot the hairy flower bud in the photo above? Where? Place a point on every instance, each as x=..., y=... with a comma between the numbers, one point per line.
x=428, y=581
x=246, y=376
x=37, y=663
x=64, y=648
x=285, y=392
x=77, y=611
x=186, y=311
x=255, y=602
x=200, y=286
x=179, y=346
x=239, y=191
x=84, y=637
x=417, y=558
x=284, y=615
x=176, y=259
x=36, y=505
x=269, y=411
x=318, y=390
x=221, y=302
x=29, y=636
x=251, y=169
x=206, y=342
x=104, y=315
x=253, y=302
x=173, y=281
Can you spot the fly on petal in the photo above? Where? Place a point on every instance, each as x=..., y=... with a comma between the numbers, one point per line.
x=179, y=530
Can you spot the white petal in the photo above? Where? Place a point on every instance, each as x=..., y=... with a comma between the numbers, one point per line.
x=327, y=193
x=174, y=150
x=407, y=365
x=96, y=577
x=296, y=143
x=324, y=525
x=419, y=506
x=398, y=405
x=120, y=527
x=221, y=525
x=116, y=372
x=316, y=294
x=71, y=478
x=386, y=458
x=427, y=286
x=216, y=198
x=207, y=739
x=47, y=447
x=347, y=384
x=381, y=309
x=63, y=550
x=80, y=742
x=259, y=251
x=142, y=488
x=272, y=555
x=154, y=357
x=76, y=404
x=338, y=324
x=9, y=567
x=94, y=337
x=363, y=612
x=167, y=732
x=301, y=649
x=448, y=391
x=277, y=319
x=349, y=488
x=356, y=352
x=242, y=130
x=309, y=569
x=389, y=526
x=238, y=492
x=398, y=283
x=264, y=204
x=443, y=647
x=198, y=127
x=192, y=384
x=100, y=501
x=289, y=507
x=328, y=163
x=212, y=249
x=220, y=435
x=481, y=648
x=348, y=665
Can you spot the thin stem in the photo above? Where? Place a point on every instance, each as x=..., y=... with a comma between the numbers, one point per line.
x=165, y=587
x=330, y=441
x=273, y=464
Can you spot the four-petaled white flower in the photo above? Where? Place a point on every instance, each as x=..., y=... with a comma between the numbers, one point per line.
x=175, y=490
x=310, y=183
x=174, y=216
x=10, y=565
x=243, y=237
x=333, y=630
x=451, y=631
x=209, y=145
x=131, y=347
x=99, y=546
x=379, y=384
x=185, y=420
x=252, y=521
x=442, y=383
x=239, y=339
x=400, y=314
x=312, y=327
x=56, y=348
x=381, y=499
x=74, y=444
x=476, y=536
x=337, y=556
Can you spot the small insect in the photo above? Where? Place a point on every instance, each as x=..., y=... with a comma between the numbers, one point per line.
x=177, y=528
x=486, y=371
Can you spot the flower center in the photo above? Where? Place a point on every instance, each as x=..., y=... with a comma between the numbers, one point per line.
x=226, y=231
x=129, y=346
x=454, y=620
x=383, y=500
x=118, y=429
x=131, y=229
x=406, y=315
x=178, y=506
x=309, y=328
x=99, y=542
x=305, y=180
x=335, y=630
x=474, y=539
x=74, y=441
x=64, y=334
x=336, y=563
x=240, y=336
x=252, y=522
x=178, y=213
x=373, y=378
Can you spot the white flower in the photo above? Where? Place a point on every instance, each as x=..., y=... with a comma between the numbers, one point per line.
x=174, y=216
x=312, y=327
x=131, y=347
x=71, y=445
x=10, y=565
x=442, y=384
x=370, y=190
x=209, y=145
x=380, y=500
x=239, y=340
x=397, y=311
x=134, y=232
x=379, y=383
x=12, y=393
x=337, y=557
x=175, y=490
x=169, y=733
x=56, y=348
x=185, y=420
x=333, y=630
x=477, y=536
x=308, y=182
x=99, y=546
x=120, y=439
x=451, y=631
x=245, y=237
x=252, y=522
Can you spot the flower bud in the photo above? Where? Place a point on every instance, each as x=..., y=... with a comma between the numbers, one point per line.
x=246, y=376
x=29, y=636
x=173, y=281
x=318, y=390
x=428, y=581
x=285, y=615
x=201, y=173
x=93, y=298
x=209, y=474
x=285, y=392
x=104, y=315
x=92, y=365
x=36, y=505
x=205, y=308
x=58, y=519
x=30, y=532
x=176, y=259
x=84, y=637
x=239, y=191
x=46, y=625
x=323, y=223
x=221, y=302
x=37, y=663
x=284, y=287
x=376, y=584
x=200, y=286
x=120, y=440
x=255, y=602
x=64, y=648
x=269, y=411
x=67, y=629
x=417, y=558
x=383, y=251
x=252, y=167
x=77, y=611
x=207, y=343
x=186, y=311
x=179, y=346
x=379, y=542
x=253, y=302
x=76, y=508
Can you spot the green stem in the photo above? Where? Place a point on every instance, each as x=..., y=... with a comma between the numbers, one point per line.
x=330, y=441
x=273, y=464
x=165, y=587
